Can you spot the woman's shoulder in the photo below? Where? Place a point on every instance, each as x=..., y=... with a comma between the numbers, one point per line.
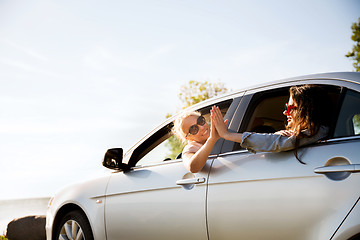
x=192, y=146
x=322, y=131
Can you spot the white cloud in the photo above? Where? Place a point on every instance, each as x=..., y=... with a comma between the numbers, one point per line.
x=6, y=43
x=26, y=67
x=103, y=58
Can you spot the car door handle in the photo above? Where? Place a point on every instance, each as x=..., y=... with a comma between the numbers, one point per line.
x=190, y=181
x=353, y=168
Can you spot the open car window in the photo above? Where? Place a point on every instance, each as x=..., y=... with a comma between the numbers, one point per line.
x=162, y=146
x=348, y=123
x=264, y=113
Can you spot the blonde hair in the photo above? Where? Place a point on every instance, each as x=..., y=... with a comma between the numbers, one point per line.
x=178, y=123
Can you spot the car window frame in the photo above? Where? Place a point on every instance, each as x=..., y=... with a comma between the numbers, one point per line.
x=164, y=132
x=238, y=109
x=346, y=93
x=250, y=100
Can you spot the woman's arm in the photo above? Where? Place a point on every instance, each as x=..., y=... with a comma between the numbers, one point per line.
x=194, y=162
x=254, y=142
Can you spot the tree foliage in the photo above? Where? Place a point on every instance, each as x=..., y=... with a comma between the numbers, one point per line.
x=190, y=94
x=355, y=53
x=195, y=92
x=174, y=145
x=356, y=121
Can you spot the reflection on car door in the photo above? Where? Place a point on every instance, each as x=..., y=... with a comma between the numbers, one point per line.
x=152, y=203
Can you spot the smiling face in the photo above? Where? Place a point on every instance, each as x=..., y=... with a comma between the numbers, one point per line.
x=291, y=113
x=202, y=135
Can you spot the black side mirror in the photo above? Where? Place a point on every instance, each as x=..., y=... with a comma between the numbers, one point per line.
x=113, y=159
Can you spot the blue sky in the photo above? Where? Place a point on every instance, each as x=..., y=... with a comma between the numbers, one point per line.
x=79, y=77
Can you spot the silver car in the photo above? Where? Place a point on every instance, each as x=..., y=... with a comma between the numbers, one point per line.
x=238, y=194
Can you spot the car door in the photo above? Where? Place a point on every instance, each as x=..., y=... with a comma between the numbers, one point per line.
x=272, y=195
x=159, y=198
x=163, y=201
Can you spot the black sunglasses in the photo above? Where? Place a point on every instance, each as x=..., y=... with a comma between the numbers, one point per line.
x=194, y=129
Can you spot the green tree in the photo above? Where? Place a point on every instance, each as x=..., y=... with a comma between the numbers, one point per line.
x=174, y=145
x=195, y=92
x=356, y=120
x=3, y=237
x=190, y=94
x=355, y=53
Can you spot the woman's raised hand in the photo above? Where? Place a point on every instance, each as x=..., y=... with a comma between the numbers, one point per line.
x=218, y=120
x=213, y=133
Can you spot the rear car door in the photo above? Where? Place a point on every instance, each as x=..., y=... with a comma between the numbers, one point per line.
x=272, y=195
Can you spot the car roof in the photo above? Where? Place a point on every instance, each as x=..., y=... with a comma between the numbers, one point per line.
x=342, y=76
x=353, y=77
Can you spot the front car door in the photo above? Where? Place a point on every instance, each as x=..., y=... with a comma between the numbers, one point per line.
x=158, y=198
x=272, y=195
x=147, y=203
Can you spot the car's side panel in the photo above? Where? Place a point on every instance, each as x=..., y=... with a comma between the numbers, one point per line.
x=89, y=197
x=147, y=203
x=351, y=225
x=273, y=196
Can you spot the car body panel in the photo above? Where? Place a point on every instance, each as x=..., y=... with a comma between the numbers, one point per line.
x=150, y=197
x=273, y=196
x=89, y=196
x=351, y=225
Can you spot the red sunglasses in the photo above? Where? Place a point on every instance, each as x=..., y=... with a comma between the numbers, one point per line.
x=288, y=108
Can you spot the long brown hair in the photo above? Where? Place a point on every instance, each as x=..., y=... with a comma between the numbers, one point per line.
x=312, y=111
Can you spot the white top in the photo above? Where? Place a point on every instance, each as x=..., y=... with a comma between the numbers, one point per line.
x=191, y=147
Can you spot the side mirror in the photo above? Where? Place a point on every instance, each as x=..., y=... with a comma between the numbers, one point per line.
x=113, y=159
